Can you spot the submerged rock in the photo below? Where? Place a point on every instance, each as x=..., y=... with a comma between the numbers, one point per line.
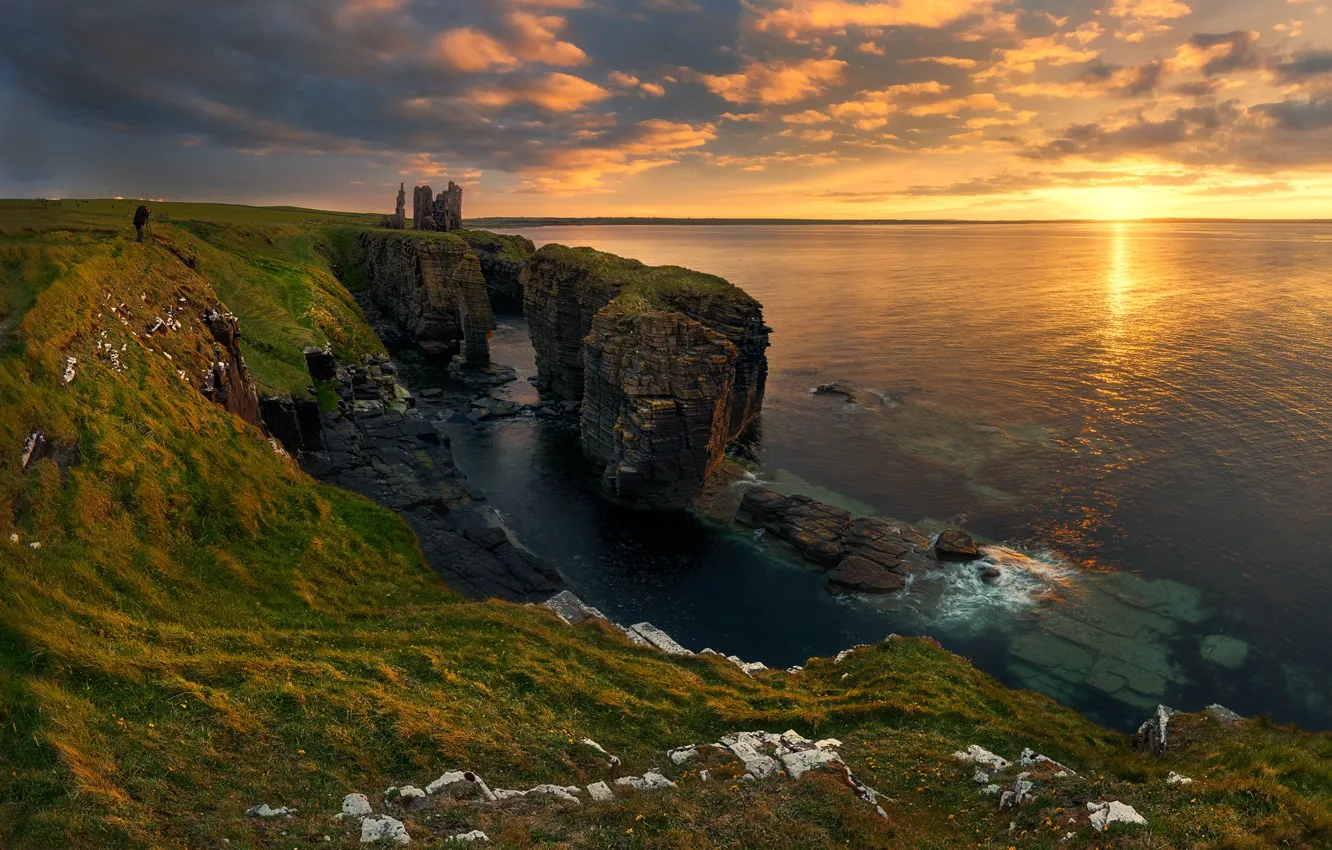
x=954, y=544
x=1224, y=651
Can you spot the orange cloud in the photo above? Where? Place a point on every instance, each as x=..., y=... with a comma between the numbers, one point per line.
x=809, y=116
x=472, y=51
x=1142, y=16
x=796, y=17
x=776, y=82
x=656, y=143
x=555, y=92
x=537, y=40
x=1048, y=50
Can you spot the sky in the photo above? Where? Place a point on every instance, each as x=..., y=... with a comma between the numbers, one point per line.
x=980, y=109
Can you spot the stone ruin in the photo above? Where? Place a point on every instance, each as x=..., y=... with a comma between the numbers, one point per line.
x=441, y=213
x=397, y=221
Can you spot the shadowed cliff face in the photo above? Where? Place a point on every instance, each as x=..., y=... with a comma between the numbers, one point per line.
x=670, y=365
x=433, y=287
x=502, y=260
x=227, y=381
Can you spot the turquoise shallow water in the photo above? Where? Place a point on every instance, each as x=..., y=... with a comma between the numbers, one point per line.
x=1140, y=413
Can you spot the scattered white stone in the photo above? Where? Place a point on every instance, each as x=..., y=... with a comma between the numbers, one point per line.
x=13, y=538
x=69, y=371
x=828, y=744
x=571, y=609
x=659, y=639
x=650, y=781
x=1176, y=779
x=1104, y=814
x=461, y=783
x=384, y=829
x=356, y=805
x=600, y=792
x=680, y=755
x=1225, y=715
x=408, y=796
x=990, y=790
x=263, y=810
x=1152, y=734
x=981, y=777
x=36, y=544
x=568, y=793
x=474, y=835
x=705, y=775
x=982, y=757
x=795, y=669
x=748, y=748
x=1031, y=758
x=793, y=740
x=846, y=653
x=800, y=763
x=614, y=760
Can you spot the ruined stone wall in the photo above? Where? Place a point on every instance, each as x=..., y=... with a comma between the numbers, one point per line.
x=656, y=404
x=433, y=288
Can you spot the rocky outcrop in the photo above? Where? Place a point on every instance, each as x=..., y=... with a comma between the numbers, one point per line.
x=227, y=381
x=432, y=287
x=294, y=424
x=954, y=544
x=502, y=261
x=863, y=555
x=670, y=365
x=656, y=405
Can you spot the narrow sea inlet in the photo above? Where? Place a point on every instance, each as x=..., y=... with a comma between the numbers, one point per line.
x=1135, y=417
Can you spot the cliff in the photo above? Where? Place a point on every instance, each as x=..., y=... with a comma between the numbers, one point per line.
x=192, y=626
x=502, y=259
x=431, y=284
x=670, y=365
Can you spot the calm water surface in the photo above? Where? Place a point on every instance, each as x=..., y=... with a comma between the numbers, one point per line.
x=1142, y=410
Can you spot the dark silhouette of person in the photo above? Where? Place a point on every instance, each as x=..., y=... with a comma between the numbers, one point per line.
x=140, y=219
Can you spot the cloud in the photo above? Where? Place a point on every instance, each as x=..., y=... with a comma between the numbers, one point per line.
x=1046, y=50
x=472, y=51
x=1217, y=53
x=1098, y=79
x=809, y=116
x=653, y=144
x=554, y=92
x=1143, y=17
x=793, y=18
x=954, y=61
x=776, y=82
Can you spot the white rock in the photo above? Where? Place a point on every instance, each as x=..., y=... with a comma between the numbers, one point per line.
x=829, y=744
x=1176, y=779
x=680, y=755
x=614, y=760
x=982, y=757
x=460, y=783
x=356, y=805
x=600, y=791
x=659, y=639
x=36, y=544
x=13, y=538
x=263, y=810
x=69, y=371
x=384, y=829
x=507, y=794
x=564, y=792
x=650, y=781
x=990, y=790
x=705, y=775
x=844, y=654
x=408, y=796
x=1104, y=814
x=747, y=748
x=798, y=764
x=474, y=835
x=795, y=669
x=981, y=777
x=793, y=740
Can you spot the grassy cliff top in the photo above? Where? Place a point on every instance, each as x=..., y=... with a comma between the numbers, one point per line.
x=508, y=246
x=653, y=286
x=202, y=628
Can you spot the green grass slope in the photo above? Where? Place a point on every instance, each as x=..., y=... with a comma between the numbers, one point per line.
x=204, y=628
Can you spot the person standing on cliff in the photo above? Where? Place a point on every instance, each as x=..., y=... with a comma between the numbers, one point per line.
x=141, y=219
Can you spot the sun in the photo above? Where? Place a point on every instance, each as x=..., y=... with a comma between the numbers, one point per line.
x=1111, y=203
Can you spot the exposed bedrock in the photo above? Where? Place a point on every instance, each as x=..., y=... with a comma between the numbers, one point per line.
x=670, y=363
x=227, y=381
x=502, y=261
x=432, y=286
x=656, y=404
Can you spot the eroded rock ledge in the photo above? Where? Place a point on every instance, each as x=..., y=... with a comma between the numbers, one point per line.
x=669, y=364
x=432, y=286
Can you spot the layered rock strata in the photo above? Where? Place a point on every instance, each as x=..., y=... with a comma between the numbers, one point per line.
x=503, y=259
x=432, y=287
x=670, y=365
x=862, y=555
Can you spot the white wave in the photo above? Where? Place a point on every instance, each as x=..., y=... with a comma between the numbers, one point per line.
x=965, y=599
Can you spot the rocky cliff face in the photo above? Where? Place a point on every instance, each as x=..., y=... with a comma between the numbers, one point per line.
x=502, y=261
x=432, y=286
x=670, y=365
x=227, y=381
x=656, y=404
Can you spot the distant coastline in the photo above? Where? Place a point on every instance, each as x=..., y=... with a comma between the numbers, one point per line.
x=602, y=221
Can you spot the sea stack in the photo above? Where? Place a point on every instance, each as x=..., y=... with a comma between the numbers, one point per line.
x=670, y=365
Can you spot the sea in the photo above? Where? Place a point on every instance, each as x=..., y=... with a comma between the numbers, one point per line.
x=1135, y=418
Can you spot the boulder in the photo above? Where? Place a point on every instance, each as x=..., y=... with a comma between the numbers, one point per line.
x=650, y=781
x=1105, y=813
x=384, y=830
x=263, y=810
x=1153, y=735
x=600, y=792
x=463, y=784
x=474, y=835
x=954, y=544
x=356, y=805
x=799, y=763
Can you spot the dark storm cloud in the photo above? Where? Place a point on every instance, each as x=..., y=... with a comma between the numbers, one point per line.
x=1301, y=66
